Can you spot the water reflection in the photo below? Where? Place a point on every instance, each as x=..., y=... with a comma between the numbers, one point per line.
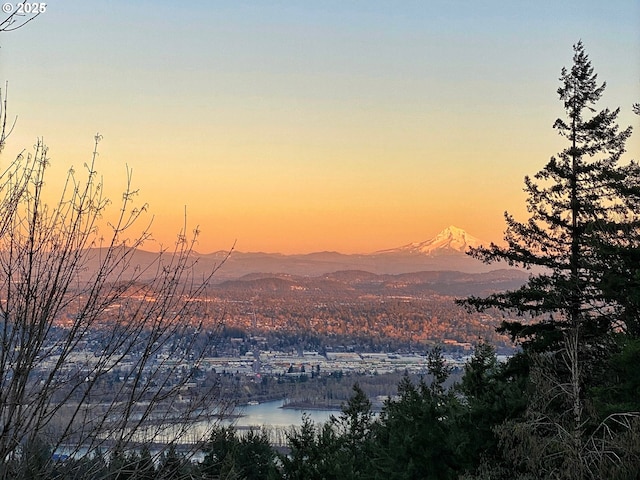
x=271, y=414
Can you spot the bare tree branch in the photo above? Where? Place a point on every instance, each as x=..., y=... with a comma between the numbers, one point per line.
x=21, y=13
x=99, y=349
x=4, y=131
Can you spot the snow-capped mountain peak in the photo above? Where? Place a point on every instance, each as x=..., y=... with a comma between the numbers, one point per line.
x=450, y=240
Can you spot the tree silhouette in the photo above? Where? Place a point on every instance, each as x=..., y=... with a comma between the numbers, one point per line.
x=97, y=347
x=584, y=206
x=21, y=13
x=581, y=198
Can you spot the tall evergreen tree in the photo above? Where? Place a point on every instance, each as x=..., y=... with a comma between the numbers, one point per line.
x=581, y=200
x=584, y=207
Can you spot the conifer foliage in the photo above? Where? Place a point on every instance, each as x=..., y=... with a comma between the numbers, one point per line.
x=582, y=231
x=580, y=202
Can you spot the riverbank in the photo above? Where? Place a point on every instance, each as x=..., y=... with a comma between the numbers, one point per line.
x=309, y=405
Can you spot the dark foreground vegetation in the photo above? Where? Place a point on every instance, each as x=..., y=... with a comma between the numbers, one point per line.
x=476, y=429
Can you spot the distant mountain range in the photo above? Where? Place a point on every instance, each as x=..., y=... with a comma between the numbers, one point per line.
x=444, y=252
x=351, y=284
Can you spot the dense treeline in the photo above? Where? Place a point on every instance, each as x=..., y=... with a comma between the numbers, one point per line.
x=324, y=390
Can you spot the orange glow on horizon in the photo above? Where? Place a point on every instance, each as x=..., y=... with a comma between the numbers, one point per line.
x=298, y=129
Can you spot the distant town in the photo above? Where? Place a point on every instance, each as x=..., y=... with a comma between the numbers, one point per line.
x=277, y=336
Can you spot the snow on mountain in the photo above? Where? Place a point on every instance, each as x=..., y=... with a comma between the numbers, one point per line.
x=450, y=240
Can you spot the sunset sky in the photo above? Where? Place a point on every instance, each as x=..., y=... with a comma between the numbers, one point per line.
x=301, y=126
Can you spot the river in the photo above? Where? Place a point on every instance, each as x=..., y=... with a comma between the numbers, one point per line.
x=271, y=414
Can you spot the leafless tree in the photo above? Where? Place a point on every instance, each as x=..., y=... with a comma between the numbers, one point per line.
x=5, y=130
x=18, y=14
x=544, y=443
x=97, y=348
